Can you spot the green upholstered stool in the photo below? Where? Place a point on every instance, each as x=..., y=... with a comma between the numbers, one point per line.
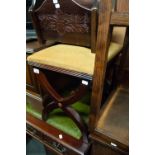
x=58, y=119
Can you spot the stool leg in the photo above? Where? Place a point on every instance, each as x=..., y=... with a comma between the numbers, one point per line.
x=78, y=121
x=49, y=108
x=63, y=103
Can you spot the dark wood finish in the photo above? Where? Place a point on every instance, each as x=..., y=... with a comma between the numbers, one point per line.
x=119, y=19
x=114, y=117
x=87, y=4
x=101, y=46
x=124, y=63
x=70, y=99
x=93, y=29
x=121, y=14
x=49, y=136
x=105, y=19
x=100, y=147
x=31, y=81
x=101, y=59
x=107, y=137
x=70, y=23
x=31, y=47
x=63, y=102
x=63, y=71
x=122, y=5
x=113, y=123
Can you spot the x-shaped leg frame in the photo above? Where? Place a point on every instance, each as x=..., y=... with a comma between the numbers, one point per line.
x=63, y=102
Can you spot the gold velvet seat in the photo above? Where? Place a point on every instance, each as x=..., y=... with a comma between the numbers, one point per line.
x=71, y=57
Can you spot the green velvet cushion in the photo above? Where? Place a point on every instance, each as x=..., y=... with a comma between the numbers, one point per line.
x=61, y=121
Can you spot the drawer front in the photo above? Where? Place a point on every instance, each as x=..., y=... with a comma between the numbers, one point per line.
x=53, y=146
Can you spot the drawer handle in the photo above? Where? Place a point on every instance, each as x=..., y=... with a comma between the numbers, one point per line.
x=59, y=147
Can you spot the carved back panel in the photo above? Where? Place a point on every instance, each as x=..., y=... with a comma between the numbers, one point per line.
x=66, y=21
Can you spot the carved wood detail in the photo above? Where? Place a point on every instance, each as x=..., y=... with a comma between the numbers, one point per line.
x=64, y=23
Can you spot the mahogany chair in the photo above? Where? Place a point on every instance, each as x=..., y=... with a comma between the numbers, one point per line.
x=78, y=60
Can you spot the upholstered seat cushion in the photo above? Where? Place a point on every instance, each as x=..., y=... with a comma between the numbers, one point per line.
x=61, y=121
x=71, y=57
